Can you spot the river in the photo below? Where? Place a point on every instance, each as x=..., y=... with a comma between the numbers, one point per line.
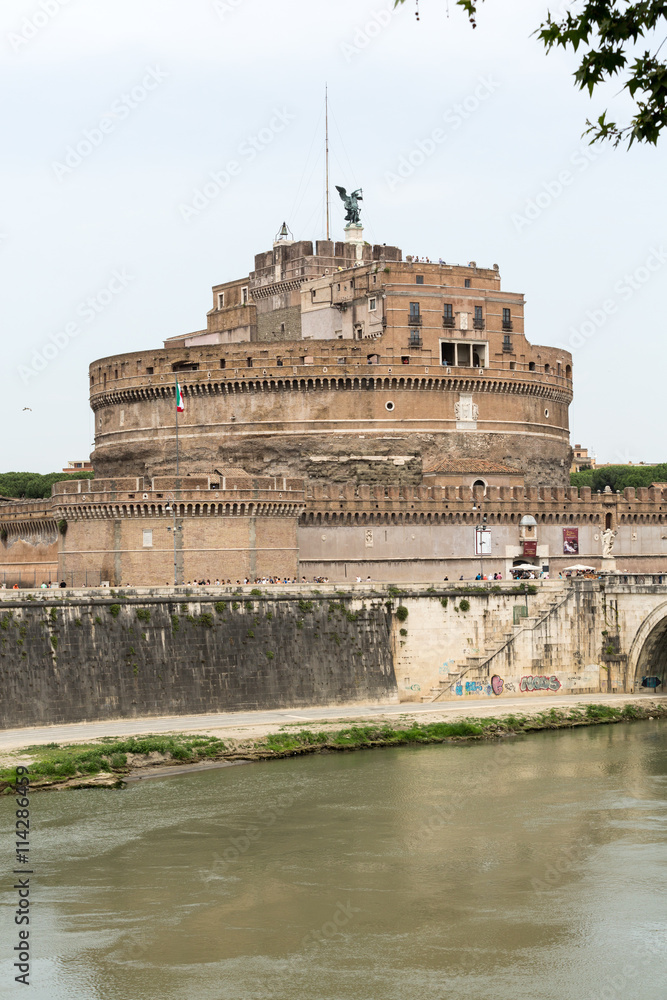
x=531, y=869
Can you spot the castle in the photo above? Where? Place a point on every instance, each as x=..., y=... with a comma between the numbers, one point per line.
x=346, y=413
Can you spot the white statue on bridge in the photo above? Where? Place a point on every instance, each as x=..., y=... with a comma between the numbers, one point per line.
x=608, y=537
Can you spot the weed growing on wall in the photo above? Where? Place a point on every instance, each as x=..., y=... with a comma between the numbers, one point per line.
x=464, y=605
x=402, y=613
x=114, y=610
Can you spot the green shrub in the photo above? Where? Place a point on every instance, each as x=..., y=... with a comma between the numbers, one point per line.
x=305, y=606
x=62, y=526
x=255, y=592
x=402, y=613
x=143, y=614
x=444, y=601
x=269, y=655
x=175, y=623
x=219, y=607
x=464, y=605
x=404, y=631
x=114, y=610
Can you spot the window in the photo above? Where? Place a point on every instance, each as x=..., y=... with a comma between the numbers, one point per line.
x=463, y=355
x=459, y=354
x=531, y=366
x=221, y=300
x=375, y=279
x=478, y=319
x=448, y=355
x=405, y=359
x=507, y=319
x=282, y=327
x=448, y=315
x=223, y=363
x=372, y=304
x=507, y=343
x=149, y=371
x=148, y=538
x=249, y=362
x=467, y=283
x=478, y=355
x=244, y=295
x=546, y=369
x=414, y=309
x=279, y=362
x=419, y=279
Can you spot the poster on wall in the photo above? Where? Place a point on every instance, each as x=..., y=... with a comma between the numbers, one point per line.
x=571, y=541
x=529, y=548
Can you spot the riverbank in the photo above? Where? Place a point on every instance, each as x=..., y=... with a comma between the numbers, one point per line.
x=110, y=762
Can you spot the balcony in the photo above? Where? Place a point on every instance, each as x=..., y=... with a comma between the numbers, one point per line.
x=478, y=324
x=415, y=339
x=507, y=325
x=448, y=322
x=414, y=319
x=507, y=345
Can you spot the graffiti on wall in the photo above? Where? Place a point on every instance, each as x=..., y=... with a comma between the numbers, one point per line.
x=497, y=684
x=530, y=683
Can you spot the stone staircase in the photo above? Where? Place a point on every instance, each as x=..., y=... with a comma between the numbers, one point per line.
x=497, y=641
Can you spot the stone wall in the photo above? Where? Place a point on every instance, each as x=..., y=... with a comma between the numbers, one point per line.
x=102, y=659
x=85, y=656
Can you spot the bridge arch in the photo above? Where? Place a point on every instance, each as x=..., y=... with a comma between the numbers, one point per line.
x=647, y=656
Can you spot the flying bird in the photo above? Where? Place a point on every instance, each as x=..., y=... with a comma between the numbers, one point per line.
x=27, y=408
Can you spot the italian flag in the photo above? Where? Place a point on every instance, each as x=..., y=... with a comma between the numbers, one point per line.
x=179, y=398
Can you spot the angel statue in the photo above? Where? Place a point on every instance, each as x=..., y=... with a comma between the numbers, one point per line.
x=351, y=202
x=608, y=537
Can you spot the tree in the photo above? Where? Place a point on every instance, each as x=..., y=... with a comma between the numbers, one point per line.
x=33, y=485
x=606, y=31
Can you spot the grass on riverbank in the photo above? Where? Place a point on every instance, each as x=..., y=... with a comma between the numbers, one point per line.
x=54, y=765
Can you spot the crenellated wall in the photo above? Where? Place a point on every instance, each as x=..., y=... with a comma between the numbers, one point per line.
x=233, y=526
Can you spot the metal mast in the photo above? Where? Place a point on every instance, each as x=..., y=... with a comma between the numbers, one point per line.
x=326, y=148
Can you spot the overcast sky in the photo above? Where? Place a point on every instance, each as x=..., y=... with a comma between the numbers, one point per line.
x=184, y=89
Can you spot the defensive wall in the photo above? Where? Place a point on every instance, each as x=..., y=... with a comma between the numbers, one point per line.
x=84, y=655
x=329, y=410
x=236, y=526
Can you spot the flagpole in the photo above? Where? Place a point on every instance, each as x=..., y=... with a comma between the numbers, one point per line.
x=176, y=480
x=176, y=399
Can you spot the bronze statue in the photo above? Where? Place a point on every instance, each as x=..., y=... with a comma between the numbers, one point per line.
x=351, y=202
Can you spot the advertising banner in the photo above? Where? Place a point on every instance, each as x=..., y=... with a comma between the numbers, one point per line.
x=571, y=541
x=529, y=548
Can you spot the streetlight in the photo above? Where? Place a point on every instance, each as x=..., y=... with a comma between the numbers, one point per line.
x=172, y=507
x=480, y=530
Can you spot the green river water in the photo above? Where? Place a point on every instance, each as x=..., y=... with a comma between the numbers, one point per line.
x=531, y=868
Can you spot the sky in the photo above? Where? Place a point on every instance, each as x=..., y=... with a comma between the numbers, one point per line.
x=152, y=147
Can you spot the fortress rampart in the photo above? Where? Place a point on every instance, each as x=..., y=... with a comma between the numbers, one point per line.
x=317, y=415
x=237, y=527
